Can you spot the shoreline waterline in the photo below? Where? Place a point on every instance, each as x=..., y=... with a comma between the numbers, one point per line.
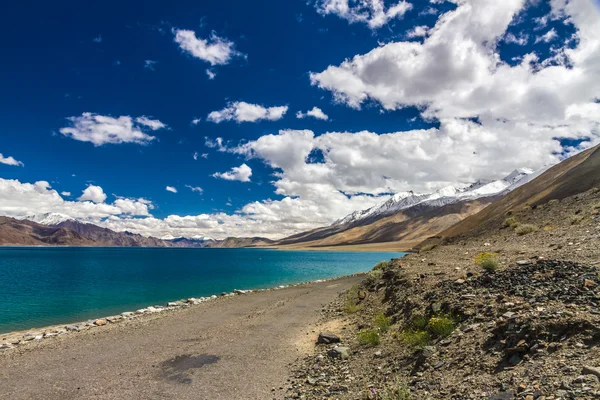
x=50, y=286
x=15, y=339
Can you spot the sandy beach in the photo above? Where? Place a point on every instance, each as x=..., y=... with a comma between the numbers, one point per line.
x=232, y=348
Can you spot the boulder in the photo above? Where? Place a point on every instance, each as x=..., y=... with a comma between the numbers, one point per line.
x=327, y=338
x=100, y=322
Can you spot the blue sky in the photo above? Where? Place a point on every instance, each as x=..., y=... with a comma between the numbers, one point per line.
x=437, y=103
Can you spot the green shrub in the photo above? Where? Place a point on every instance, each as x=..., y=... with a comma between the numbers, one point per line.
x=488, y=261
x=351, y=301
x=427, y=247
x=525, y=229
x=368, y=337
x=373, y=276
x=418, y=322
x=415, y=338
x=441, y=326
x=397, y=391
x=576, y=219
x=381, y=265
x=382, y=322
x=510, y=223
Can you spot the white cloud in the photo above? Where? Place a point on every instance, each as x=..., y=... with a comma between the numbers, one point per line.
x=153, y=124
x=211, y=74
x=241, y=173
x=10, y=161
x=418, y=31
x=171, y=189
x=196, y=189
x=66, y=194
x=316, y=112
x=215, y=143
x=150, y=65
x=521, y=40
x=137, y=207
x=457, y=74
x=195, y=155
x=241, y=111
x=204, y=155
x=98, y=39
x=372, y=12
x=196, y=121
x=214, y=50
x=93, y=193
x=100, y=129
x=21, y=199
x=547, y=37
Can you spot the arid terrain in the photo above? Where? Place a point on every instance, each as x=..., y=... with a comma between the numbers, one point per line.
x=436, y=325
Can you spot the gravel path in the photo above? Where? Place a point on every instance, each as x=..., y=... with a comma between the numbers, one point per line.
x=234, y=348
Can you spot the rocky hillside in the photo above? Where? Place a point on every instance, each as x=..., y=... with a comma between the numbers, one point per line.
x=26, y=233
x=521, y=323
x=106, y=237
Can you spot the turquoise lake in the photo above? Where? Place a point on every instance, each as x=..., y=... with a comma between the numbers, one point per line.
x=47, y=286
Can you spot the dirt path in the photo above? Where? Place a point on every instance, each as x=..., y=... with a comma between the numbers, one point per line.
x=235, y=348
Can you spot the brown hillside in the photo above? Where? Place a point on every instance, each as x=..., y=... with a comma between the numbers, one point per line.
x=405, y=229
x=572, y=176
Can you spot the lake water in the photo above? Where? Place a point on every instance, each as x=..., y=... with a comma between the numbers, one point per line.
x=47, y=286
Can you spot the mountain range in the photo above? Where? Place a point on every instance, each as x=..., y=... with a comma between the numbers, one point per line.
x=402, y=222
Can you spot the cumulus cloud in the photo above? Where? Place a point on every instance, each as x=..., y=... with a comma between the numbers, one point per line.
x=171, y=189
x=214, y=50
x=99, y=129
x=19, y=199
x=241, y=173
x=10, y=161
x=315, y=112
x=93, y=193
x=456, y=76
x=241, y=111
x=374, y=13
x=418, y=31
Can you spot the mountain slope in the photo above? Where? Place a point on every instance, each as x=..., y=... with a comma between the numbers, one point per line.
x=27, y=233
x=570, y=177
x=408, y=218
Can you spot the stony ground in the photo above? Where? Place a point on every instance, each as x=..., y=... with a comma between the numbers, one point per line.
x=237, y=347
x=529, y=330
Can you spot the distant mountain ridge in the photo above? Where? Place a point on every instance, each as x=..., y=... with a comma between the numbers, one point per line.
x=447, y=195
x=408, y=218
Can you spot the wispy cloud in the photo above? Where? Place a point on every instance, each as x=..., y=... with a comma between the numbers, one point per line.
x=10, y=161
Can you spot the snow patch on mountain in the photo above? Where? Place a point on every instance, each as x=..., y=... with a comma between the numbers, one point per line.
x=50, y=219
x=447, y=195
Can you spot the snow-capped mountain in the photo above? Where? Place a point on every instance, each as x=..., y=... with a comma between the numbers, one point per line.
x=49, y=219
x=442, y=197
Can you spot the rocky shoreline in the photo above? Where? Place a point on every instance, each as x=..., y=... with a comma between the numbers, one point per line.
x=18, y=339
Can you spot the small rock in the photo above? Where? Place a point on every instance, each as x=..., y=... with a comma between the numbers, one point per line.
x=327, y=338
x=339, y=352
x=100, y=322
x=523, y=262
x=588, y=370
x=460, y=281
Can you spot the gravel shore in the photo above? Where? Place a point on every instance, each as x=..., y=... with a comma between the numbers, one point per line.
x=233, y=347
